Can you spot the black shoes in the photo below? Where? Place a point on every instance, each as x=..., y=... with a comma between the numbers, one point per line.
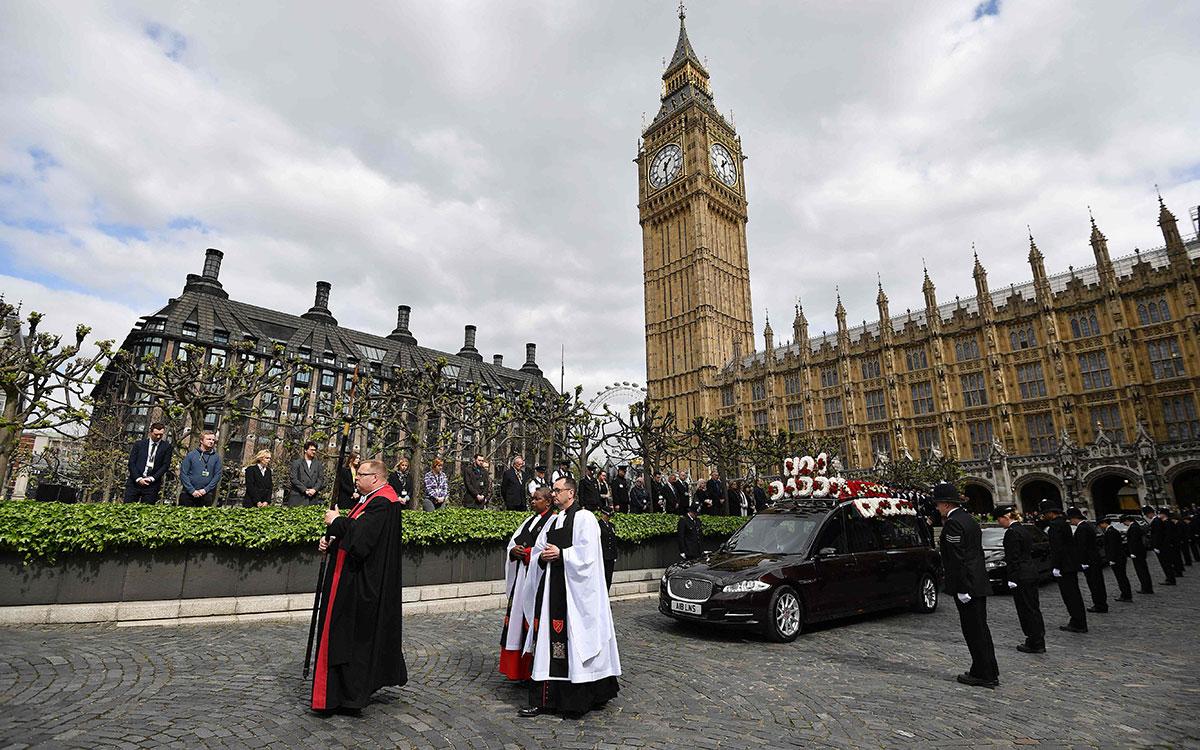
x=1167, y=583
x=967, y=678
x=531, y=711
x=1098, y=611
x=1072, y=629
x=1125, y=598
x=1030, y=649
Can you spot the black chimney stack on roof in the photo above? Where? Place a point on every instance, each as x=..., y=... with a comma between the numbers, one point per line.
x=207, y=282
x=402, y=334
x=468, y=350
x=498, y=360
x=530, y=365
x=319, y=312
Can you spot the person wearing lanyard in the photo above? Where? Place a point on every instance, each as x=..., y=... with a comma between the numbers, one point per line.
x=200, y=472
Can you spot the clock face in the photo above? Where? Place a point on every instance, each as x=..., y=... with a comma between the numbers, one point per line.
x=722, y=164
x=666, y=165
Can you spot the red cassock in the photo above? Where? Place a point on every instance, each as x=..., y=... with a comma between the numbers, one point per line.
x=359, y=642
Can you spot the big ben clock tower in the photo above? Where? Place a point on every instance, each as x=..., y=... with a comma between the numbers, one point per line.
x=692, y=208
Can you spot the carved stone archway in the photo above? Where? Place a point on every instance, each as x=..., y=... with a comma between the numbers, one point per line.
x=1035, y=486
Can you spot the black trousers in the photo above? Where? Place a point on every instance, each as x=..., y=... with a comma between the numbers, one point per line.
x=1185, y=548
x=136, y=493
x=608, y=573
x=972, y=616
x=187, y=501
x=1143, y=575
x=1118, y=568
x=1029, y=613
x=1068, y=587
x=1095, y=581
x=1177, y=558
x=1167, y=564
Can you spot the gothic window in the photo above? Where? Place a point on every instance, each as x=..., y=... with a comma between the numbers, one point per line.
x=727, y=395
x=1084, y=324
x=870, y=368
x=1093, y=367
x=1031, y=381
x=1109, y=417
x=791, y=383
x=922, y=397
x=1022, y=337
x=966, y=349
x=1166, y=361
x=1153, y=310
x=916, y=358
x=829, y=377
x=876, y=407
x=1040, y=429
x=928, y=438
x=974, y=390
x=758, y=390
x=981, y=438
x=833, y=412
x=1179, y=414
x=760, y=421
x=881, y=442
x=795, y=418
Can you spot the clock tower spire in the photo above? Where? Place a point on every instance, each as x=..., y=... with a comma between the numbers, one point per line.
x=692, y=210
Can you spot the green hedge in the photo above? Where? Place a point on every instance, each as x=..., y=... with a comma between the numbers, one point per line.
x=44, y=531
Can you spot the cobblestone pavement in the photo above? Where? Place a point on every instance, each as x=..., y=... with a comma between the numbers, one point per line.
x=882, y=681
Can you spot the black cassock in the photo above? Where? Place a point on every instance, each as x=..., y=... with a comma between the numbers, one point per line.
x=360, y=625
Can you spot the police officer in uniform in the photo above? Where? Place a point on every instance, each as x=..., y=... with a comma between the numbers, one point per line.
x=1135, y=541
x=1088, y=551
x=1160, y=543
x=1022, y=577
x=1065, y=564
x=687, y=533
x=966, y=579
x=1114, y=552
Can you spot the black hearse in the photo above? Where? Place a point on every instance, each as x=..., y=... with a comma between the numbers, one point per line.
x=804, y=561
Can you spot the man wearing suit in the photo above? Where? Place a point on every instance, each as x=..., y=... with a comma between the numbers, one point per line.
x=149, y=459
x=589, y=489
x=683, y=498
x=967, y=580
x=1114, y=552
x=476, y=486
x=687, y=533
x=1087, y=549
x=1160, y=543
x=306, y=477
x=620, y=491
x=1065, y=562
x=1022, y=581
x=512, y=485
x=714, y=495
x=1135, y=539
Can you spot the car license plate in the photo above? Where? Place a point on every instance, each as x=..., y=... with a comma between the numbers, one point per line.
x=685, y=607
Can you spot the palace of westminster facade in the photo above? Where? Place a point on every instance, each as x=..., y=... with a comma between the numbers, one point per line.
x=1079, y=385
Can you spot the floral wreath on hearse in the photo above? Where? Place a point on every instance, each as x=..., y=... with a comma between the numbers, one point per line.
x=806, y=477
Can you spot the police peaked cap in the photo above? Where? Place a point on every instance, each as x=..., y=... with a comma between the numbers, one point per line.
x=944, y=492
x=1003, y=510
x=1074, y=512
x=1050, y=506
x=540, y=468
x=1128, y=517
x=1148, y=509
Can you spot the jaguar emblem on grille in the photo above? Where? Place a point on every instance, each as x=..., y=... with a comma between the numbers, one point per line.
x=687, y=584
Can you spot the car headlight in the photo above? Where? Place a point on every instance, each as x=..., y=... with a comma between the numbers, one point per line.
x=664, y=579
x=742, y=587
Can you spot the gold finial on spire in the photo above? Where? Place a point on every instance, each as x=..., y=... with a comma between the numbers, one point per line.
x=682, y=10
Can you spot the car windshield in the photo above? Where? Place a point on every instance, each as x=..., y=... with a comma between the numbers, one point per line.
x=776, y=533
x=993, y=537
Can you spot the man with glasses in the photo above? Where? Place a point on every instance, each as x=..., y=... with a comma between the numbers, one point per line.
x=359, y=640
x=574, y=644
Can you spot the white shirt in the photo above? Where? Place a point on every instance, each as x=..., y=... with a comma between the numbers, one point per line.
x=150, y=451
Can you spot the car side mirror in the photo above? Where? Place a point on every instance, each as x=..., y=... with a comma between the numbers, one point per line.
x=827, y=552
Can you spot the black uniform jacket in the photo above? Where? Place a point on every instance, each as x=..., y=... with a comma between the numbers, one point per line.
x=688, y=533
x=1135, y=537
x=962, y=555
x=1114, y=548
x=1063, y=554
x=513, y=488
x=1158, y=535
x=1018, y=554
x=620, y=492
x=589, y=493
x=1087, y=546
x=608, y=540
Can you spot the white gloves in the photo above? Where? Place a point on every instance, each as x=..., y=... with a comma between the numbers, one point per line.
x=1157, y=552
x=1012, y=584
x=1131, y=557
x=1083, y=567
x=1056, y=573
x=964, y=598
x=683, y=555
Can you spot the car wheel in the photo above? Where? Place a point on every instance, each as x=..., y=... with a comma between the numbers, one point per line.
x=927, y=595
x=785, y=616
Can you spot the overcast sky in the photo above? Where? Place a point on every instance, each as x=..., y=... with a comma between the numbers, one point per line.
x=474, y=160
